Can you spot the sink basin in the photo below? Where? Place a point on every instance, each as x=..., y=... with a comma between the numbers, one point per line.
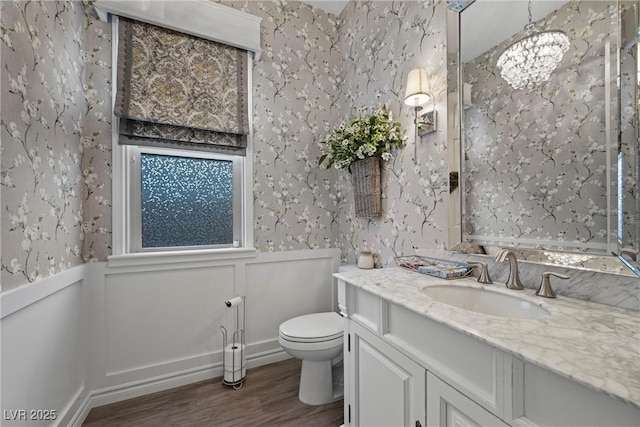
x=486, y=302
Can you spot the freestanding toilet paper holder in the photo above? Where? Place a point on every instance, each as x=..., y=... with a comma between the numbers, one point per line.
x=234, y=370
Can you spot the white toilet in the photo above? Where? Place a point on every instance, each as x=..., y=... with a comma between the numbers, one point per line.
x=317, y=340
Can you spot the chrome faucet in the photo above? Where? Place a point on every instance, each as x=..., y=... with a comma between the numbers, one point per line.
x=513, y=282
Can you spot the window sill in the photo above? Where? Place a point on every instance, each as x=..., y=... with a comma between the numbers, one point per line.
x=188, y=258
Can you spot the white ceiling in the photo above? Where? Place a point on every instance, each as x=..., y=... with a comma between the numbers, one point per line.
x=331, y=6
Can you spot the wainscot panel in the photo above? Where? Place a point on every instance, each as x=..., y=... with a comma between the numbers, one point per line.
x=153, y=318
x=43, y=352
x=158, y=326
x=279, y=288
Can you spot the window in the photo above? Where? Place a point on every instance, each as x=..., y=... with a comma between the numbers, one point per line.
x=183, y=199
x=181, y=174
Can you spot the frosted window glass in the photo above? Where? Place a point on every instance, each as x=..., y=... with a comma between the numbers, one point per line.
x=186, y=201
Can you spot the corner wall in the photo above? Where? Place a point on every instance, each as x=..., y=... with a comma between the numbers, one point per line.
x=380, y=42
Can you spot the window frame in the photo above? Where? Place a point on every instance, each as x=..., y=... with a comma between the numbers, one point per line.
x=123, y=167
x=135, y=193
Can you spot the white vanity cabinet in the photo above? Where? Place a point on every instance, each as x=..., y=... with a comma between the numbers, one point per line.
x=406, y=369
x=388, y=351
x=386, y=388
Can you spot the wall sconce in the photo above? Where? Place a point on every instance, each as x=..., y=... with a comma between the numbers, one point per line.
x=415, y=96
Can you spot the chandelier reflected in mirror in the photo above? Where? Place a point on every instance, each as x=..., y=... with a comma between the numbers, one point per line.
x=531, y=60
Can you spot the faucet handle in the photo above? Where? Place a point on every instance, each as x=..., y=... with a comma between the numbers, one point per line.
x=545, y=289
x=484, y=272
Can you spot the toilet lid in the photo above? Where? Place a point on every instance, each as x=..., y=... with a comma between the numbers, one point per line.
x=313, y=327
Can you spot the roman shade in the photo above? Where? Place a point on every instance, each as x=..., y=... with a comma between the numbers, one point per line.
x=175, y=89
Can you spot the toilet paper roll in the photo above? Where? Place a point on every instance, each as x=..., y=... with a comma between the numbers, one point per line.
x=233, y=302
x=233, y=355
x=234, y=365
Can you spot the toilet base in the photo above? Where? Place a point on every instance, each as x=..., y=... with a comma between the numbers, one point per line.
x=317, y=384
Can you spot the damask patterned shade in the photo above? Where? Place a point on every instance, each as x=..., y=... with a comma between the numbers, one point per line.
x=177, y=89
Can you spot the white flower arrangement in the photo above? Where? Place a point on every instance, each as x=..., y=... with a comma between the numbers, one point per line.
x=362, y=136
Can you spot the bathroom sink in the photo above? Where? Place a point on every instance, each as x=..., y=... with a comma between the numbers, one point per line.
x=486, y=302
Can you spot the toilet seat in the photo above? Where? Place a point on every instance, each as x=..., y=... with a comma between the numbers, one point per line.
x=310, y=346
x=313, y=328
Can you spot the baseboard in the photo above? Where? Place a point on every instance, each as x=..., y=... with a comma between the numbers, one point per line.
x=81, y=414
x=69, y=414
x=135, y=389
x=266, y=358
x=165, y=382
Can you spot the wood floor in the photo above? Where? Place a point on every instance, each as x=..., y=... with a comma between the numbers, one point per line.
x=269, y=397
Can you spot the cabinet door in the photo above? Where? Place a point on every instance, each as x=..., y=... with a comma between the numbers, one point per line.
x=387, y=388
x=447, y=407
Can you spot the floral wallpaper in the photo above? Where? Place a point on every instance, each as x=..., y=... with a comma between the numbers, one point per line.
x=96, y=138
x=56, y=133
x=535, y=163
x=295, y=103
x=42, y=128
x=380, y=42
x=316, y=70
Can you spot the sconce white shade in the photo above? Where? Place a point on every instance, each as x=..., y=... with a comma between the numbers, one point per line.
x=416, y=93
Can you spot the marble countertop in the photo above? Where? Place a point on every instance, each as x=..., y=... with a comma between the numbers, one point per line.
x=594, y=344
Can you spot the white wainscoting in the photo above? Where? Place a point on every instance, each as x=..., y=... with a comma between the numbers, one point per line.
x=43, y=351
x=99, y=334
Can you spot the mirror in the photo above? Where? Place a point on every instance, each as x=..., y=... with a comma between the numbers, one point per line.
x=629, y=160
x=551, y=170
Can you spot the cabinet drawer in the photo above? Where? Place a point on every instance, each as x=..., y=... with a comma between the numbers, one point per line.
x=547, y=399
x=469, y=365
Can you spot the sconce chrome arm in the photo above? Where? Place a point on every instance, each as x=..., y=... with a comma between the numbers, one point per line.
x=417, y=132
x=424, y=124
